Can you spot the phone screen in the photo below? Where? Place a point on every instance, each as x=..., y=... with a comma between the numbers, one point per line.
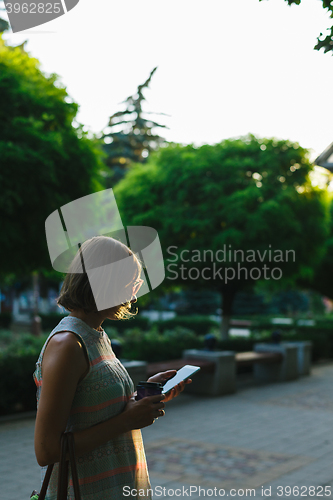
x=181, y=375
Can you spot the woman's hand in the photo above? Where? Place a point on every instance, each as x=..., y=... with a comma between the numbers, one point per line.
x=142, y=413
x=162, y=377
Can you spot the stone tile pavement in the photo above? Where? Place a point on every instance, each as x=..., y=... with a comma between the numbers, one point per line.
x=271, y=441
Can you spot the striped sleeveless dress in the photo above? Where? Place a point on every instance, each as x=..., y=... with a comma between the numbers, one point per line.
x=101, y=395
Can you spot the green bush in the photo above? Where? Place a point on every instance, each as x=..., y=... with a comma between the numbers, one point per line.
x=198, y=324
x=6, y=338
x=240, y=344
x=17, y=388
x=23, y=344
x=20, y=352
x=5, y=319
x=17, y=364
x=266, y=324
x=322, y=341
x=17, y=360
x=153, y=345
x=124, y=324
x=321, y=338
x=50, y=321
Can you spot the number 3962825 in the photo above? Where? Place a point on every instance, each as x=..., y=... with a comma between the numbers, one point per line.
x=33, y=8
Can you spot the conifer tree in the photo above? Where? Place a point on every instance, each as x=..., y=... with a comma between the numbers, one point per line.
x=130, y=135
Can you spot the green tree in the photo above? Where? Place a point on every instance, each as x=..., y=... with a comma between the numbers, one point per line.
x=323, y=42
x=45, y=161
x=322, y=279
x=243, y=194
x=130, y=136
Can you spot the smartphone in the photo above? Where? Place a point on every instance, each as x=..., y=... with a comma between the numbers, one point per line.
x=181, y=375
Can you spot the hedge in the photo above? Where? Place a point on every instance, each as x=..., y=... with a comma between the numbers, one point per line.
x=50, y=321
x=266, y=324
x=198, y=324
x=17, y=361
x=17, y=364
x=124, y=324
x=153, y=345
x=322, y=341
x=17, y=388
x=5, y=319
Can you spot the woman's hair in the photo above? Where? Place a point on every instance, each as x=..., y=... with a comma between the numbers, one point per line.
x=113, y=265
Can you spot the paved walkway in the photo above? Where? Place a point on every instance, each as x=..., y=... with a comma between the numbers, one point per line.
x=276, y=436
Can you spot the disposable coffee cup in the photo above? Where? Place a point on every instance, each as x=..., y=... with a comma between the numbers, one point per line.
x=145, y=389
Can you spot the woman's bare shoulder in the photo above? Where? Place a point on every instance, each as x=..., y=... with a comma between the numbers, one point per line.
x=64, y=347
x=66, y=340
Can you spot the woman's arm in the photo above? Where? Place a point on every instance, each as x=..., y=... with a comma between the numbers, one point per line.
x=64, y=365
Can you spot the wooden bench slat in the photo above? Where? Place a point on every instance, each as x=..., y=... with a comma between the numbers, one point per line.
x=242, y=323
x=176, y=364
x=248, y=358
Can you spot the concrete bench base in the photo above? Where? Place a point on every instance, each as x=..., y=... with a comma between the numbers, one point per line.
x=221, y=381
x=304, y=350
x=277, y=372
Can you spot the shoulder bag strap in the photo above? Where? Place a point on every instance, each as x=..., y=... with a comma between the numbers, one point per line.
x=45, y=482
x=63, y=469
x=71, y=449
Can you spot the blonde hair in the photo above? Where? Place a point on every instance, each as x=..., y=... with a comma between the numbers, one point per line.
x=99, y=251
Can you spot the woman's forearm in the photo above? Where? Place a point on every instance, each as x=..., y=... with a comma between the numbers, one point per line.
x=99, y=434
x=85, y=440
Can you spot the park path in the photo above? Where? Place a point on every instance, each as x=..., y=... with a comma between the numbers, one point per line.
x=275, y=435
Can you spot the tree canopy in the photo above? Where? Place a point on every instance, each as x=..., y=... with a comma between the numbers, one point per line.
x=248, y=194
x=322, y=280
x=45, y=161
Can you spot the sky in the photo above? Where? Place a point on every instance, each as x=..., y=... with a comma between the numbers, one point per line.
x=226, y=68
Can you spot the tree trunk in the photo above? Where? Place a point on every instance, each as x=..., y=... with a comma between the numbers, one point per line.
x=227, y=302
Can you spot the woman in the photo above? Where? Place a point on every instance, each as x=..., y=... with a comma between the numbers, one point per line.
x=82, y=387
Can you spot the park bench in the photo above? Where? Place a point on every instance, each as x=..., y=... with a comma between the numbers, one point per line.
x=140, y=370
x=218, y=373
x=271, y=363
x=207, y=366
x=219, y=368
